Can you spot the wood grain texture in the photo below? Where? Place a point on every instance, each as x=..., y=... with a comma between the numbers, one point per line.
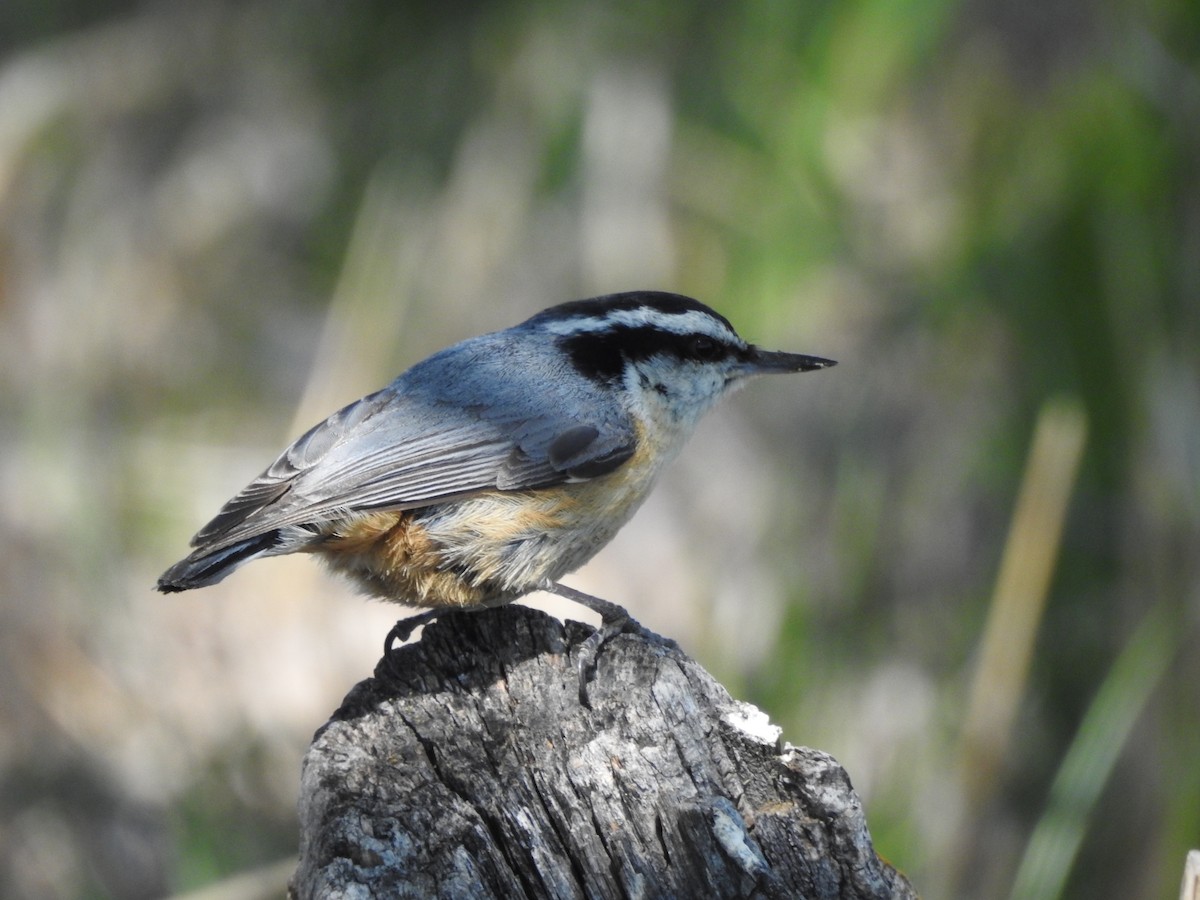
x=466, y=767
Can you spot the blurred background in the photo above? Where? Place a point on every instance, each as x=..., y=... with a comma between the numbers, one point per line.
x=965, y=562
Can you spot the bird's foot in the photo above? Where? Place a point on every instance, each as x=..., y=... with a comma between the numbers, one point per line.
x=404, y=628
x=614, y=620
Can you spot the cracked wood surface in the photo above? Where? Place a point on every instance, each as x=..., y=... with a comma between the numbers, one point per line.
x=466, y=767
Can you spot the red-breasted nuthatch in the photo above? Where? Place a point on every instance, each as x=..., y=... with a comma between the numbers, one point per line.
x=498, y=465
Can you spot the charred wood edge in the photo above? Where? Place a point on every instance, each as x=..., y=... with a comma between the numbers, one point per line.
x=466, y=767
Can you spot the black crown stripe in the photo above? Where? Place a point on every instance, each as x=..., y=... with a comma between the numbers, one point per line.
x=658, y=301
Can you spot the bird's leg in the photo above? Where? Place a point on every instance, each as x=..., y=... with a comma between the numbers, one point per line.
x=614, y=620
x=607, y=611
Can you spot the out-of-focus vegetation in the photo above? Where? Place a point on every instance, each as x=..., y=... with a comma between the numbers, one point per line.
x=220, y=221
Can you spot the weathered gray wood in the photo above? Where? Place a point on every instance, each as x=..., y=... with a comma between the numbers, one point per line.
x=467, y=768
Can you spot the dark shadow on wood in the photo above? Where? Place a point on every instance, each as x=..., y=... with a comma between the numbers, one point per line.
x=466, y=767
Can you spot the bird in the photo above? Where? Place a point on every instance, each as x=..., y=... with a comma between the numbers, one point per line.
x=496, y=466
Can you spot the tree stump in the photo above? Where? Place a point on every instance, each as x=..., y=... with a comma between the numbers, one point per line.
x=466, y=767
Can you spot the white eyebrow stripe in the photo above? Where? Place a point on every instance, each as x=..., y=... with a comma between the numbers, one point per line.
x=690, y=322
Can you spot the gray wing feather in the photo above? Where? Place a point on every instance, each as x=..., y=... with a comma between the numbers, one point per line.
x=406, y=447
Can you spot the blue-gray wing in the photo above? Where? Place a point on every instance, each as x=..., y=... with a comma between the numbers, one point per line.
x=407, y=447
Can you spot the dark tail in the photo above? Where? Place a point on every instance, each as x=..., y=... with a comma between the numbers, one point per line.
x=204, y=567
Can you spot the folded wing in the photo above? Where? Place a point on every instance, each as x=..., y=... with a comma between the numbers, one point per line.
x=400, y=450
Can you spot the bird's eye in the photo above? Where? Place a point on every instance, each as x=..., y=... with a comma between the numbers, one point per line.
x=705, y=349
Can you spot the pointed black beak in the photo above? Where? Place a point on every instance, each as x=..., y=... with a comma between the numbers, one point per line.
x=776, y=362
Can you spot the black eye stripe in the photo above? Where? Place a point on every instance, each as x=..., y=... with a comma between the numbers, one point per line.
x=601, y=355
x=705, y=348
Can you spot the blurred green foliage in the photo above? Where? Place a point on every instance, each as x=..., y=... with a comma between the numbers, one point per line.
x=220, y=220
